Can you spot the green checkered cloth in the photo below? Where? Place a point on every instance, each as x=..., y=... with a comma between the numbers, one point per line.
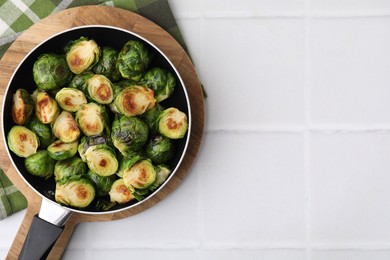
x=11, y=200
x=18, y=15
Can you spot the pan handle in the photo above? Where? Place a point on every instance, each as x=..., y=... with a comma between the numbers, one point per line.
x=44, y=231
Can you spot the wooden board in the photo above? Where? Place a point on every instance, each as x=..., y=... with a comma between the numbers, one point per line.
x=91, y=15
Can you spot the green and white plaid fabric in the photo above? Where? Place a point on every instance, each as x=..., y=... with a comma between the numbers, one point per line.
x=18, y=15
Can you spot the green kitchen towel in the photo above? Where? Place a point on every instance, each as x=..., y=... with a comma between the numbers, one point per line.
x=11, y=200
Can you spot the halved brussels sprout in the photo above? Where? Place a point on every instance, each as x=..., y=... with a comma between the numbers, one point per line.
x=43, y=132
x=101, y=159
x=86, y=142
x=46, y=108
x=133, y=60
x=102, y=183
x=65, y=128
x=134, y=100
x=140, y=176
x=50, y=71
x=120, y=193
x=91, y=119
x=161, y=81
x=160, y=149
x=100, y=89
x=129, y=134
x=75, y=193
x=59, y=150
x=22, y=107
x=172, y=123
x=40, y=164
x=82, y=54
x=69, y=169
x=78, y=81
x=107, y=64
x=70, y=99
x=22, y=141
x=162, y=173
x=128, y=161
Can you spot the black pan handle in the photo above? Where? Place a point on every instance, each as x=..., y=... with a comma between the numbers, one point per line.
x=40, y=239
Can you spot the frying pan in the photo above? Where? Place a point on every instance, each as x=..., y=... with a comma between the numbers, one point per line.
x=49, y=223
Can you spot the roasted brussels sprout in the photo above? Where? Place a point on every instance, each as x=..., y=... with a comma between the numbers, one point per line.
x=172, y=123
x=162, y=173
x=82, y=54
x=150, y=117
x=65, y=128
x=102, y=183
x=75, y=193
x=160, y=149
x=46, y=108
x=92, y=119
x=78, y=81
x=101, y=159
x=140, y=176
x=120, y=193
x=22, y=141
x=70, y=99
x=129, y=134
x=40, y=164
x=100, y=89
x=107, y=64
x=43, y=132
x=161, y=81
x=69, y=169
x=133, y=60
x=134, y=100
x=50, y=71
x=128, y=161
x=59, y=150
x=86, y=142
x=22, y=107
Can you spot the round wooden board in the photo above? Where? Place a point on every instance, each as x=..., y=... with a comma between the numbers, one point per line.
x=100, y=15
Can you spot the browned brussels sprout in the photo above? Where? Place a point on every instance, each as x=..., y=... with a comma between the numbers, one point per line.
x=82, y=54
x=134, y=100
x=172, y=123
x=46, y=108
x=22, y=141
x=65, y=128
x=22, y=107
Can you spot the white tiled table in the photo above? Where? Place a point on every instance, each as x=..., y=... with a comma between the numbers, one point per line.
x=295, y=162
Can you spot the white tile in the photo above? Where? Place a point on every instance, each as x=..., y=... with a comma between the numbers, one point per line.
x=350, y=5
x=3, y=253
x=182, y=8
x=350, y=197
x=71, y=254
x=239, y=254
x=349, y=71
x=144, y=254
x=9, y=228
x=79, y=237
x=160, y=226
x=252, y=189
x=351, y=254
x=253, y=78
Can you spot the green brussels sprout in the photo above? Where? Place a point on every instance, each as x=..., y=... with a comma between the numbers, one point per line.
x=160, y=149
x=129, y=134
x=172, y=123
x=69, y=169
x=59, y=150
x=139, y=176
x=128, y=161
x=102, y=183
x=107, y=64
x=22, y=141
x=92, y=119
x=162, y=173
x=70, y=99
x=133, y=60
x=87, y=141
x=40, y=164
x=22, y=107
x=78, y=81
x=50, y=71
x=134, y=100
x=101, y=159
x=82, y=54
x=120, y=193
x=75, y=193
x=46, y=108
x=65, y=128
x=43, y=132
x=161, y=81
x=100, y=89
x=150, y=117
